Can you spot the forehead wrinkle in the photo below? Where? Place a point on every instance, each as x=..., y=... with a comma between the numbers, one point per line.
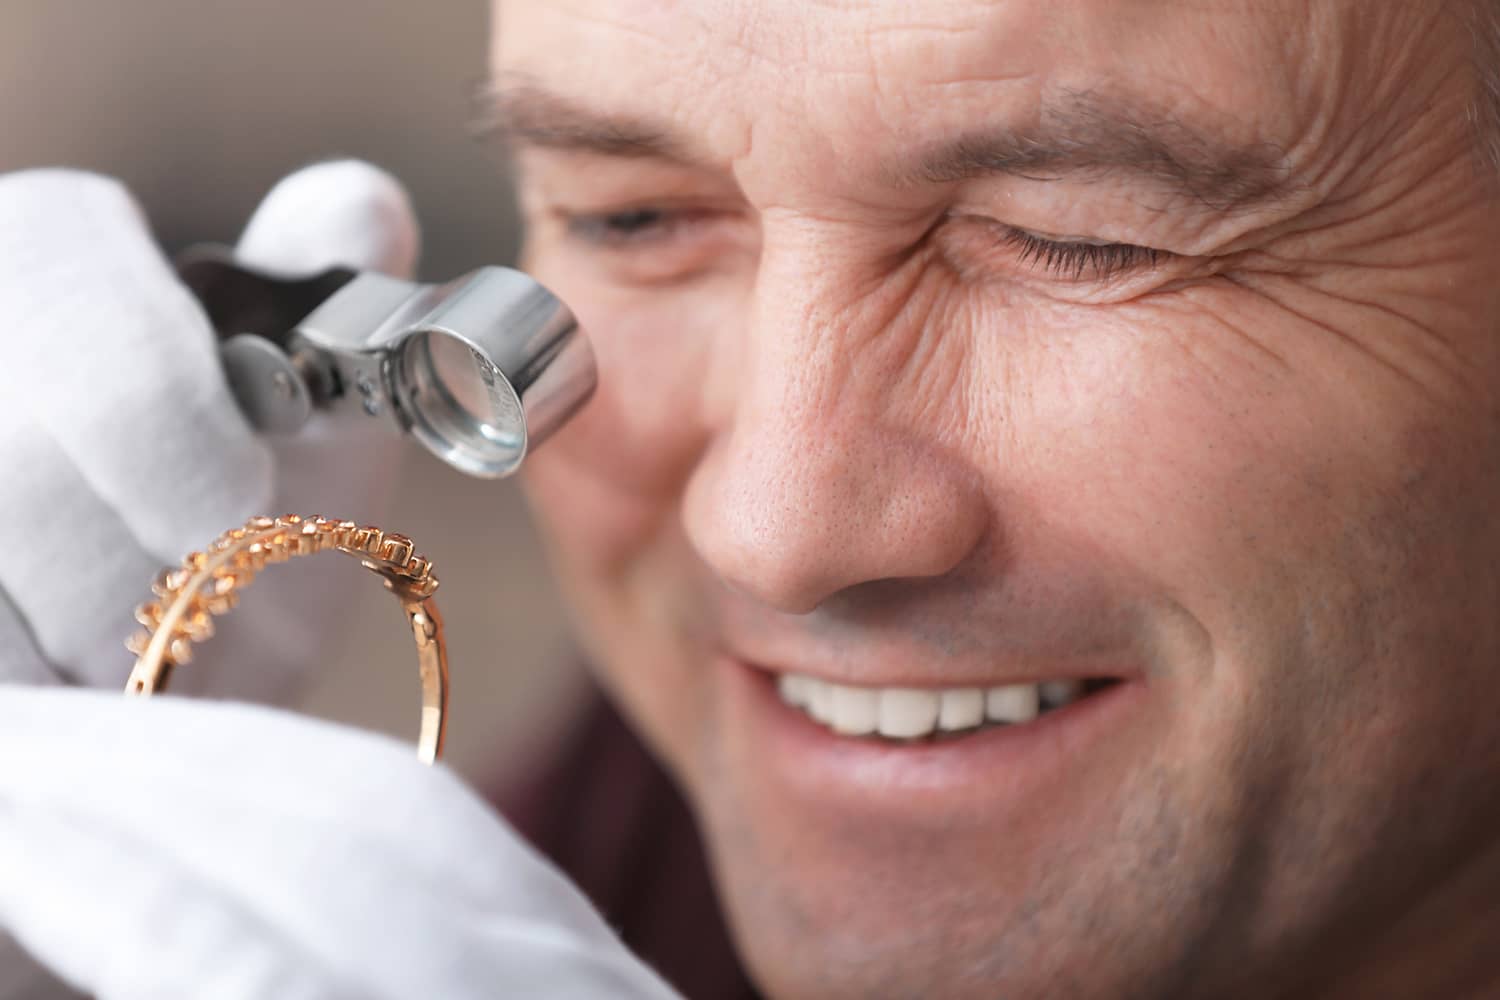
x=1080, y=132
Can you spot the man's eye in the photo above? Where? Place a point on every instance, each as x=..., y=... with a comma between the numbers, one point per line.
x=649, y=242
x=623, y=228
x=1080, y=259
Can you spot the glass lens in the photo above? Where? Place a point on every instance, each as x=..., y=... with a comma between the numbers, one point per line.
x=462, y=407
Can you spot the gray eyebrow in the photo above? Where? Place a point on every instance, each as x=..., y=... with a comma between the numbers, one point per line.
x=517, y=111
x=1088, y=134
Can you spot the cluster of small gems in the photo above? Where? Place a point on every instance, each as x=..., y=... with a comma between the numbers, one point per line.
x=188, y=597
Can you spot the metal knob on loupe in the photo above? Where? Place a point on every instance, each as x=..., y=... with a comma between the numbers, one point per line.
x=479, y=370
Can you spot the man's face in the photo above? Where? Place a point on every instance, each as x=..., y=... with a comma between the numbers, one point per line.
x=948, y=349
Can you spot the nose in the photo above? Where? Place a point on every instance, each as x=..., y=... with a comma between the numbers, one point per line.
x=823, y=475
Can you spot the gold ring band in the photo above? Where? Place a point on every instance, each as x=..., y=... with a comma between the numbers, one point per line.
x=208, y=584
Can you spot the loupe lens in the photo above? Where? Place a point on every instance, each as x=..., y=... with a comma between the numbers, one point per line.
x=461, y=403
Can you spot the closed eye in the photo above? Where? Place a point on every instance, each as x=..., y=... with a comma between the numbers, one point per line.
x=1080, y=259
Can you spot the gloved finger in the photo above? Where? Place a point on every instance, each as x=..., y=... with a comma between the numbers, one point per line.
x=73, y=573
x=113, y=357
x=344, y=213
x=69, y=559
x=390, y=876
x=21, y=660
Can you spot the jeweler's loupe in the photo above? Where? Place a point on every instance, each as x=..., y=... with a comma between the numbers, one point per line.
x=479, y=370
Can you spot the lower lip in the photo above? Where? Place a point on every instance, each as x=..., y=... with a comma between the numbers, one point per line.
x=816, y=764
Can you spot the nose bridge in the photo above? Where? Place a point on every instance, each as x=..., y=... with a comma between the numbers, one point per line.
x=815, y=481
x=828, y=324
x=802, y=304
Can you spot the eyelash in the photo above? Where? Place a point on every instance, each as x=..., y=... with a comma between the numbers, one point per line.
x=1074, y=260
x=615, y=230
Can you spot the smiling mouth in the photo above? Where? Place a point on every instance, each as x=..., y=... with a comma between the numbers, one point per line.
x=921, y=714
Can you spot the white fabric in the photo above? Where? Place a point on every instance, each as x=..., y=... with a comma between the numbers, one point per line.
x=113, y=396
x=146, y=854
x=168, y=848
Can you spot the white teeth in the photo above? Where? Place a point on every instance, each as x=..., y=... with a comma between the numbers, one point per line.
x=820, y=701
x=1012, y=703
x=856, y=711
x=906, y=713
x=793, y=689
x=962, y=709
x=914, y=713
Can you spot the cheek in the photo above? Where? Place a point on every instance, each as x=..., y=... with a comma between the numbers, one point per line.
x=606, y=492
x=1257, y=470
x=611, y=479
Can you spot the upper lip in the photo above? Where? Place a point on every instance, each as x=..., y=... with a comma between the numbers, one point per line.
x=1076, y=629
x=900, y=662
x=895, y=677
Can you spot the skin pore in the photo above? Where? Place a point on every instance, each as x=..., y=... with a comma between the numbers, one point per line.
x=956, y=343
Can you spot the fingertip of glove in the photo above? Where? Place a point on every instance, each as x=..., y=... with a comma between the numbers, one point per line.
x=60, y=200
x=342, y=213
x=69, y=179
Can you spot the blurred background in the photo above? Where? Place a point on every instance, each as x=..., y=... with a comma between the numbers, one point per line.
x=200, y=106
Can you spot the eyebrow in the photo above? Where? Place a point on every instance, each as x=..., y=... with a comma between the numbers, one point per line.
x=1084, y=133
x=519, y=112
x=1081, y=134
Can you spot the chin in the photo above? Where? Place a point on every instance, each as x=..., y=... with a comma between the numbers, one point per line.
x=853, y=868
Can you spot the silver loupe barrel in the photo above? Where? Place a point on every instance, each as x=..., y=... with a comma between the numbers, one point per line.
x=498, y=365
x=479, y=370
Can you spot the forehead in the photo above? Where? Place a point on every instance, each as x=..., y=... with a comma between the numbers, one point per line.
x=835, y=72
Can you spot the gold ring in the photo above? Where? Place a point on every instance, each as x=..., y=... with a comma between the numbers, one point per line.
x=208, y=584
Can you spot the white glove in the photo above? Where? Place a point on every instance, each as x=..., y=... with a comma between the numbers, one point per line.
x=121, y=449
x=167, y=848
x=161, y=849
